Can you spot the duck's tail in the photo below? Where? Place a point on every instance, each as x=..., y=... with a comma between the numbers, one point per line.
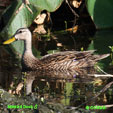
x=91, y=60
x=99, y=57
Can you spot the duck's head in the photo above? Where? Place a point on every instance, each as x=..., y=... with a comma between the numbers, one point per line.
x=21, y=34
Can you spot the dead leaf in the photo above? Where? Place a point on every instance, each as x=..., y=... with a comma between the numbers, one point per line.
x=40, y=29
x=75, y=3
x=74, y=29
x=59, y=44
x=19, y=88
x=40, y=18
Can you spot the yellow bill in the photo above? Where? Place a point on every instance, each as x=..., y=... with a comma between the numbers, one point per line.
x=9, y=41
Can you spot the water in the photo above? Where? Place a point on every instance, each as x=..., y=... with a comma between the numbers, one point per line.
x=70, y=88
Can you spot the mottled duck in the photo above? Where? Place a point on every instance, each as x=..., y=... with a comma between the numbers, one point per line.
x=66, y=60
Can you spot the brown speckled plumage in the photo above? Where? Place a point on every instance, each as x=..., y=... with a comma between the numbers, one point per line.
x=63, y=60
x=67, y=60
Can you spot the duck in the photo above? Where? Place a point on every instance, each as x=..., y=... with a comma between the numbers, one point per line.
x=66, y=60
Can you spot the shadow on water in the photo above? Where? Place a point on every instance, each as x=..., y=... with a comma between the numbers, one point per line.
x=69, y=87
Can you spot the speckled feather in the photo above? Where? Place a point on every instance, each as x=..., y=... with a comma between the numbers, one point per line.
x=67, y=60
x=71, y=59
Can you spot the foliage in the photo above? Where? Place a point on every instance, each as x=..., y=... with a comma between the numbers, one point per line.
x=101, y=12
x=20, y=14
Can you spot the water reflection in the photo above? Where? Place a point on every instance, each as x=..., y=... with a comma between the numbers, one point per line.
x=69, y=88
x=57, y=79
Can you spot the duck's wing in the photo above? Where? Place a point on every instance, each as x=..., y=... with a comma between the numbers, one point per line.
x=71, y=60
x=61, y=57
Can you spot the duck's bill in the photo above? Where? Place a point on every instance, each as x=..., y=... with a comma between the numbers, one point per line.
x=9, y=41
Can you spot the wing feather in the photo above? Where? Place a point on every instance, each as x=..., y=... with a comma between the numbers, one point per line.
x=65, y=56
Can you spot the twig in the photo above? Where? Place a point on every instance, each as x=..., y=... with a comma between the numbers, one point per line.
x=26, y=3
x=103, y=90
x=76, y=15
x=74, y=42
x=101, y=70
x=72, y=9
x=100, y=75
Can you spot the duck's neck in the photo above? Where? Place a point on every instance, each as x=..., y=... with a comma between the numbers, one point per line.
x=28, y=49
x=29, y=61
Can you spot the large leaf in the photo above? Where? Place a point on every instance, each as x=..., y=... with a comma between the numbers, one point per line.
x=49, y=5
x=101, y=12
x=18, y=15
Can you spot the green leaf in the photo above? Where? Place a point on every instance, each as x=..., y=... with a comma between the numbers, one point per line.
x=49, y=5
x=18, y=15
x=101, y=12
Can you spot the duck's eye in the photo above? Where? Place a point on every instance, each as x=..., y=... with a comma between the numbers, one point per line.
x=20, y=32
